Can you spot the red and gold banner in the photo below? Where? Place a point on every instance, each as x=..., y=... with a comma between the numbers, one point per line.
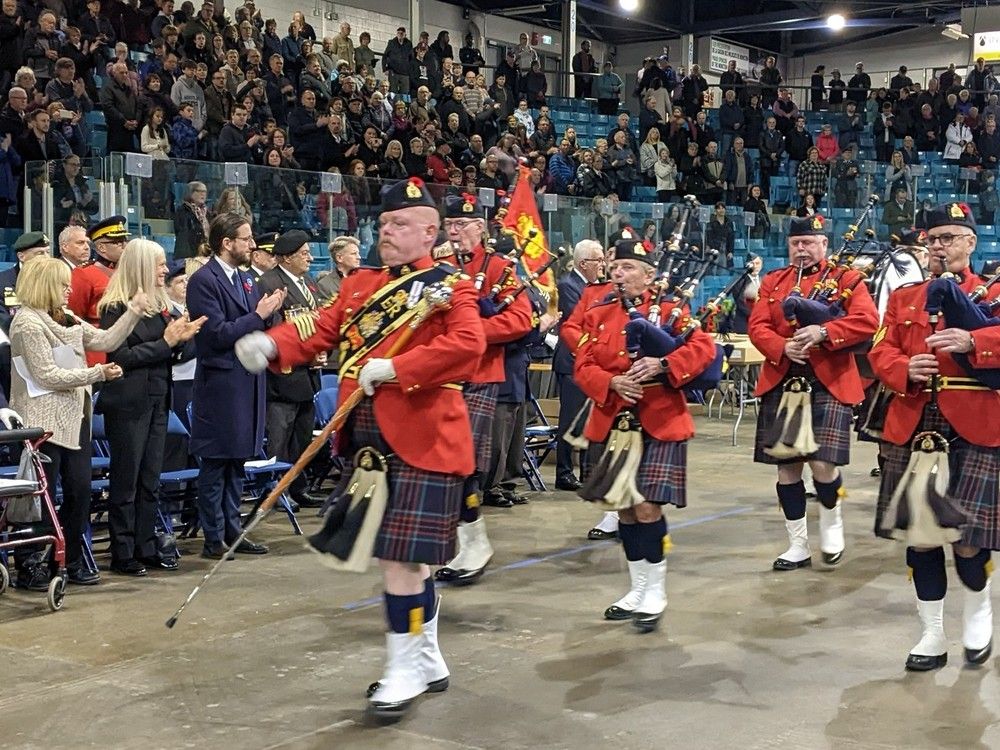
x=525, y=222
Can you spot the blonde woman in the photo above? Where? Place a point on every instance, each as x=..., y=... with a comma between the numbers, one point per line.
x=135, y=407
x=50, y=387
x=649, y=154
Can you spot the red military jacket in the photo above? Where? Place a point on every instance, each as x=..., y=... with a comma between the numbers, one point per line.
x=513, y=323
x=570, y=330
x=832, y=360
x=88, y=284
x=662, y=411
x=421, y=413
x=975, y=414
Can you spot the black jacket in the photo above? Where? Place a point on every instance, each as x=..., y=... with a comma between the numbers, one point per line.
x=302, y=383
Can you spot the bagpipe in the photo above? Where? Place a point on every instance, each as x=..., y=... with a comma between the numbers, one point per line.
x=945, y=299
x=826, y=300
x=503, y=294
x=714, y=305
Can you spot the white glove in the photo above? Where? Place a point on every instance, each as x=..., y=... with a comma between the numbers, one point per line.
x=374, y=373
x=255, y=350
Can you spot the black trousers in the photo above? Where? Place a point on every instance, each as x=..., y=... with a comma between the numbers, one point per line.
x=508, y=445
x=72, y=469
x=571, y=400
x=289, y=431
x=136, y=441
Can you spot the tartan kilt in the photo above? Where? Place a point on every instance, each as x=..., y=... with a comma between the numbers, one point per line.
x=481, y=401
x=421, y=515
x=662, y=477
x=831, y=428
x=975, y=482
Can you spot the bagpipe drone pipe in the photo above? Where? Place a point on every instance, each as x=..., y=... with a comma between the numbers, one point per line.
x=945, y=299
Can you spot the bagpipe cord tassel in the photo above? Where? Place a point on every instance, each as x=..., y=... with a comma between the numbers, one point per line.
x=919, y=510
x=613, y=480
x=792, y=435
x=574, y=435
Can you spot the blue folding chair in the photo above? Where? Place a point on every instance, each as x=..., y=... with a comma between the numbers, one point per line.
x=539, y=440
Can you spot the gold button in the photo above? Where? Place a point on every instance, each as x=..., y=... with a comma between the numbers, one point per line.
x=907, y=322
x=600, y=327
x=912, y=307
x=623, y=331
x=621, y=354
x=770, y=299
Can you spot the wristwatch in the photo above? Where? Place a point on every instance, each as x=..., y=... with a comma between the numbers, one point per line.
x=664, y=364
x=823, y=333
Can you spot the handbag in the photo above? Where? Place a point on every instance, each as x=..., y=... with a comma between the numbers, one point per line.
x=26, y=509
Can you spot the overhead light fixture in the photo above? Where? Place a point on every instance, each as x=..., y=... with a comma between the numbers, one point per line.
x=524, y=11
x=629, y=5
x=836, y=22
x=954, y=31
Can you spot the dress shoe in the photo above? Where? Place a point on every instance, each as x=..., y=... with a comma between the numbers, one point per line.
x=515, y=497
x=128, y=568
x=598, y=534
x=83, y=577
x=307, y=500
x=34, y=578
x=876, y=472
x=246, y=547
x=570, y=483
x=215, y=551
x=497, y=501
x=159, y=563
x=921, y=663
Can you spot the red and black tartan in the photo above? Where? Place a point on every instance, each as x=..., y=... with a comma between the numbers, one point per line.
x=975, y=481
x=831, y=428
x=422, y=513
x=662, y=476
x=481, y=401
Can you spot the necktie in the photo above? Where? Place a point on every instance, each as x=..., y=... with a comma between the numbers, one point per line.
x=240, y=292
x=310, y=300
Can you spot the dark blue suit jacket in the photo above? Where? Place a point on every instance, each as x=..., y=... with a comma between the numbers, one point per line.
x=228, y=405
x=570, y=286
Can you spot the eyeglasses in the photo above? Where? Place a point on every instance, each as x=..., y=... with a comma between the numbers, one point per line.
x=459, y=224
x=248, y=238
x=946, y=240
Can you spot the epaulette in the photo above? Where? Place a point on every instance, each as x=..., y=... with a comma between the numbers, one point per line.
x=909, y=284
x=594, y=284
x=609, y=300
x=442, y=251
x=451, y=269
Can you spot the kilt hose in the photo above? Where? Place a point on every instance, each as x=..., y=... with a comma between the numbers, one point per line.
x=422, y=512
x=974, y=482
x=831, y=428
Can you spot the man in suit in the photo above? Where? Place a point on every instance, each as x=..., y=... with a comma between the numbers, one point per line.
x=27, y=247
x=227, y=417
x=588, y=264
x=74, y=247
x=290, y=412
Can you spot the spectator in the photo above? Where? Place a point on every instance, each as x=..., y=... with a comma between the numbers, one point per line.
x=713, y=173
x=441, y=47
x=121, y=109
x=343, y=47
x=346, y=255
x=364, y=56
x=623, y=168
x=305, y=30
x=396, y=62
x=508, y=69
x=439, y=163
x=817, y=89
x=10, y=163
x=956, y=136
x=12, y=28
x=543, y=140
x=798, y=141
x=227, y=423
x=184, y=137
x=852, y=124
x=845, y=179
x=899, y=81
x=732, y=80
x=649, y=118
x=135, y=406
x=837, y=91
x=649, y=155
x=738, y=171
x=593, y=181
x=693, y=89
x=153, y=139
x=772, y=148
x=810, y=178
x=785, y=111
x=422, y=110
x=909, y=151
x=608, y=89
x=491, y=177
x=70, y=191
x=68, y=90
x=202, y=23
x=975, y=82
x=770, y=79
x=187, y=91
x=236, y=143
x=37, y=143
x=525, y=55
x=898, y=214
x=859, y=86
x=218, y=106
x=41, y=47
x=470, y=56
x=191, y=222
x=40, y=325
x=535, y=84
x=306, y=128
x=584, y=66
x=756, y=204
x=808, y=205
x=720, y=235
x=523, y=116
x=827, y=144
x=928, y=130
x=665, y=171
x=731, y=120
x=392, y=167
x=753, y=121
x=455, y=105
x=897, y=176
x=988, y=144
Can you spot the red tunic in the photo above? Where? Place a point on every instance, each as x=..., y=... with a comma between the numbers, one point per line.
x=974, y=414
x=662, y=411
x=832, y=361
x=88, y=283
x=421, y=413
x=570, y=330
x=513, y=323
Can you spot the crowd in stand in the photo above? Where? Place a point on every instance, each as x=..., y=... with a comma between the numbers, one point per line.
x=236, y=87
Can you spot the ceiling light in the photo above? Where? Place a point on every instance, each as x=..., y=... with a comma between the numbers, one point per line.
x=629, y=5
x=954, y=31
x=836, y=22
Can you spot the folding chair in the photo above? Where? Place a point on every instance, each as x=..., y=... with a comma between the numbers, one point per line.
x=539, y=441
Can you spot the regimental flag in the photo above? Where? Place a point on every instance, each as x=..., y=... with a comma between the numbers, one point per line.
x=524, y=220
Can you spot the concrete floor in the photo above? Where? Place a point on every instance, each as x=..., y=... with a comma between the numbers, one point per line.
x=277, y=651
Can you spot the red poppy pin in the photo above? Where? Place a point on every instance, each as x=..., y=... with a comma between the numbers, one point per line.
x=247, y=285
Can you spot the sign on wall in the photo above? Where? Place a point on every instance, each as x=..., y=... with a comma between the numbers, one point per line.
x=720, y=53
x=986, y=44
